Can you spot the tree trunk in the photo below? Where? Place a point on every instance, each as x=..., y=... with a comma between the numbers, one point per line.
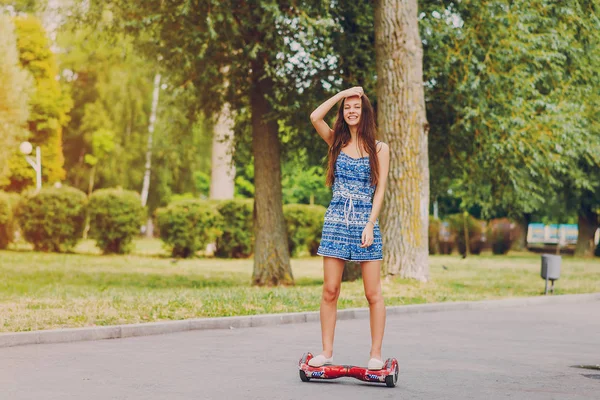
x=92, y=180
x=403, y=126
x=587, y=226
x=148, y=166
x=467, y=241
x=352, y=271
x=223, y=170
x=271, y=254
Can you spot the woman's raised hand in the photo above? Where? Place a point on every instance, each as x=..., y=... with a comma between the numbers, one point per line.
x=353, y=91
x=318, y=115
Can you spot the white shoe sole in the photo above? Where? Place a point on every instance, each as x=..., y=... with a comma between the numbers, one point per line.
x=375, y=365
x=325, y=361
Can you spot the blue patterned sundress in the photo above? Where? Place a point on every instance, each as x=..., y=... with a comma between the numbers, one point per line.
x=349, y=212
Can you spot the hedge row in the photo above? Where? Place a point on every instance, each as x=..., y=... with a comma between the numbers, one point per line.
x=187, y=226
x=304, y=226
x=499, y=234
x=115, y=219
x=54, y=219
x=190, y=225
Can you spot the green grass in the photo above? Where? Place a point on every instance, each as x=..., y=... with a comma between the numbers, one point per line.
x=45, y=291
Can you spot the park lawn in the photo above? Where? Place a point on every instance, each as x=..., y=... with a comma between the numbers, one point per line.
x=47, y=291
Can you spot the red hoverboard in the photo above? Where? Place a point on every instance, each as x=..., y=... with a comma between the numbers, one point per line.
x=388, y=374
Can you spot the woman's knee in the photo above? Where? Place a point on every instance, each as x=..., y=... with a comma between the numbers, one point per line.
x=331, y=293
x=374, y=296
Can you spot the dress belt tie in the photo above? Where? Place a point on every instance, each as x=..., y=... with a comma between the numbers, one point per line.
x=349, y=204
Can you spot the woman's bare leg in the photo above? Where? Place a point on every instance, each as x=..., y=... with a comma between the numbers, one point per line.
x=332, y=280
x=371, y=274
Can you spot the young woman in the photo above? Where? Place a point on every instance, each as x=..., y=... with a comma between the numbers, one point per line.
x=358, y=169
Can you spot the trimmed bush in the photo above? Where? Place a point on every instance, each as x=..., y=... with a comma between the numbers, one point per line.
x=187, y=226
x=237, y=238
x=447, y=239
x=475, y=233
x=434, y=235
x=304, y=226
x=53, y=219
x=116, y=216
x=500, y=234
x=8, y=226
x=519, y=237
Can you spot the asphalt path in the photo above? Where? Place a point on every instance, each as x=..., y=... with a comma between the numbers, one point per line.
x=522, y=352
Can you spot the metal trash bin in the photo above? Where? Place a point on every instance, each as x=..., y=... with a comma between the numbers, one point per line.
x=550, y=269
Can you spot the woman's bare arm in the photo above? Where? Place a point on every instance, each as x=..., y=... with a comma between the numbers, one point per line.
x=384, y=166
x=317, y=117
x=383, y=155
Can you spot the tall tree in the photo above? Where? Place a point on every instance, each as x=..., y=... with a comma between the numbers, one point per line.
x=403, y=126
x=353, y=43
x=222, y=168
x=97, y=124
x=49, y=106
x=15, y=88
x=513, y=152
x=579, y=20
x=111, y=85
x=148, y=164
x=200, y=40
x=497, y=148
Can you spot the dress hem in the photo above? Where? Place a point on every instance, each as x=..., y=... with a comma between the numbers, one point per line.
x=346, y=259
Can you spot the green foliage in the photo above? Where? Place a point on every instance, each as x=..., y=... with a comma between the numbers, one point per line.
x=8, y=226
x=24, y=5
x=111, y=87
x=49, y=106
x=183, y=196
x=237, y=237
x=287, y=47
x=187, y=226
x=115, y=219
x=181, y=159
x=353, y=40
x=304, y=225
x=304, y=185
x=508, y=149
x=15, y=88
x=53, y=219
x=244, y=180
x=475, y=232
x=97, y=125
x=202, y=183
x=111, y=84
x=504, y=152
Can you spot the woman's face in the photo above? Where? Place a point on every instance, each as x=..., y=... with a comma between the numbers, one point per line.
x=352, y=110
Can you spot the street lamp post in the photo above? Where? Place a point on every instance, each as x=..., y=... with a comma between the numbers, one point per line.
x=26, y=148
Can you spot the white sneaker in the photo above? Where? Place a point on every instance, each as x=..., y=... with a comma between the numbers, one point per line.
x=375, y=364
x=320, y=360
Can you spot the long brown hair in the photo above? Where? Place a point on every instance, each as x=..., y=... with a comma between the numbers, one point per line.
x=366, y=136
